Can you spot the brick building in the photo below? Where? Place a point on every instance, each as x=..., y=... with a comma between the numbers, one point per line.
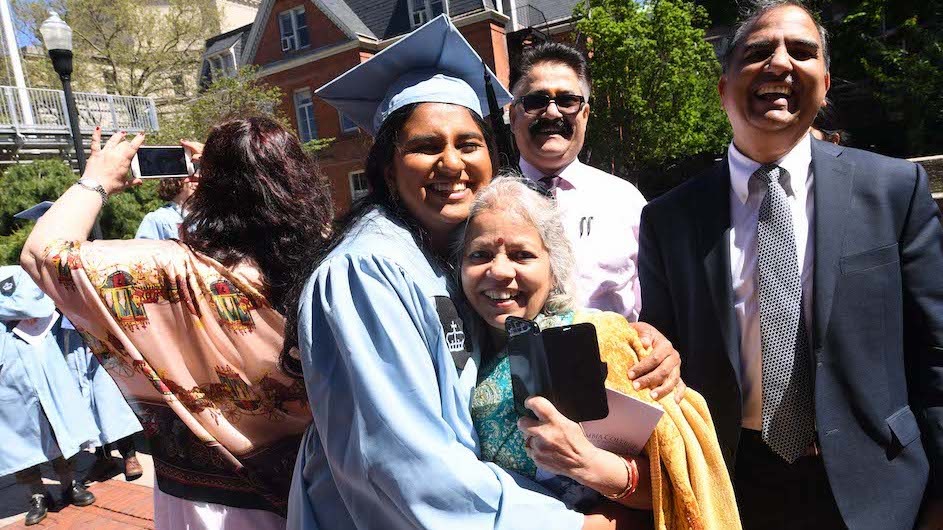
x=299, y=45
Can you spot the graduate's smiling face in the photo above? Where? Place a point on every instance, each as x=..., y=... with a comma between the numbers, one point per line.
x=505, y=267
x=441, y=161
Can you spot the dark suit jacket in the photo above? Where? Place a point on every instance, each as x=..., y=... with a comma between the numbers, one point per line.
x=877, y=321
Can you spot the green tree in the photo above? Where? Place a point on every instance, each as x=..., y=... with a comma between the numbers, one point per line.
x=887, y=75
x=133, y=48
x=227, y=97
x=655, y=95
x=27, y=184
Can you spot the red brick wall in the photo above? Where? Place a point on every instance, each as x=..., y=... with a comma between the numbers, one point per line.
x=349, y=149
x=321, y=31
x=488, y=39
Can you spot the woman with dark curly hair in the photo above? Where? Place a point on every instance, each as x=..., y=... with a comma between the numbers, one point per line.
x=192, y=329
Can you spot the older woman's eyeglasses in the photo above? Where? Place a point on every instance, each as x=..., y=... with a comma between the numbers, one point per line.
x=536, y=103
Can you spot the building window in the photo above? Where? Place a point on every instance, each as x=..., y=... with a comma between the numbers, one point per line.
x=359, y=187
x=222, y=65
x=304, y=111
x=347, y=124
x=422, y=11
x=293, y=28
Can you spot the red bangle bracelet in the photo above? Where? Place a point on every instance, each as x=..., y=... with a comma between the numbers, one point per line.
x=631, y=469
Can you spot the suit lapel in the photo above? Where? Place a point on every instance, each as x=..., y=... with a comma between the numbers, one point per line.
x=714, y=244
x=834, y=179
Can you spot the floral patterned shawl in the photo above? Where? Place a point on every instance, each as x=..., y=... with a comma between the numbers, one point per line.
x=194, y=347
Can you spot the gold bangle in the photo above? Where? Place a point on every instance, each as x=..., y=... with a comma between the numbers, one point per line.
x=631, y=481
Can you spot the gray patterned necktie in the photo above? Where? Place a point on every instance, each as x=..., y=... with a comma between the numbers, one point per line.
x=788, y=412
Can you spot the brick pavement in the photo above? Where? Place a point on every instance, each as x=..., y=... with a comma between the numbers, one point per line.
x=119, y=505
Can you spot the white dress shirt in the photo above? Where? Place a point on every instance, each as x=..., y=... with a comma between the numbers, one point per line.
x=601, y=215
x=746, y=194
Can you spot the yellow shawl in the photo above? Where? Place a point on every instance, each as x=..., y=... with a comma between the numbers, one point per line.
x=690, y=485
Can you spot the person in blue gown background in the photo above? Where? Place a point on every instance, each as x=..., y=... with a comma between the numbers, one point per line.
x=43, y=417
x=115, y=420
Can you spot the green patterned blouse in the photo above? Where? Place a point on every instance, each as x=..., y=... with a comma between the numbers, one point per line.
x=492, y=410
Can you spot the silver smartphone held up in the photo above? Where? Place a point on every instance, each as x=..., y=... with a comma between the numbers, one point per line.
x=161, y=161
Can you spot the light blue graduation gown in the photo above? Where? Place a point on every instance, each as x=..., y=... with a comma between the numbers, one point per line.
x=113, y=416
x=162, y=223
x=42, y=413
x=392, y=445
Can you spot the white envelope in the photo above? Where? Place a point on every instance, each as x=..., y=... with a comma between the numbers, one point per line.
x=628, y=426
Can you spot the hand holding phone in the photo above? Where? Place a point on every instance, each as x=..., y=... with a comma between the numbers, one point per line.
x=561, y=364
x=162, y=161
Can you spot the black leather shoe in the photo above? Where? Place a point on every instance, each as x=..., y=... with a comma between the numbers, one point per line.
x=76, y=494
x=38, y=507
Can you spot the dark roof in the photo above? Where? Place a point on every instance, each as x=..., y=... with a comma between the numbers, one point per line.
x=235, y=39
x=242, y=32
x=343, y=15
x=553, y=9
x=221, y=45
x=390, y=18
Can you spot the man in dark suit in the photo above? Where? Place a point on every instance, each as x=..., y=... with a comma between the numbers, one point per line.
x=802, y=283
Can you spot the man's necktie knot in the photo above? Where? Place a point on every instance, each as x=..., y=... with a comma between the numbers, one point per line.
x=551, y=182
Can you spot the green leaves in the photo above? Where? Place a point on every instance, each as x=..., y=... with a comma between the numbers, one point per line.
x=887, y=75
x=27, y=184
x=654, y=84
x=228, y=97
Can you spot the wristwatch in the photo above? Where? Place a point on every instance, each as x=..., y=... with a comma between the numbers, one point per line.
x=93, y=185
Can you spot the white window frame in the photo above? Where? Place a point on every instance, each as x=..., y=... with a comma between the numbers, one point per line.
x=223, y=70
x=355, y=191
x=289, y=43
x=304, y=128
x=353, y=128
x=423, y=8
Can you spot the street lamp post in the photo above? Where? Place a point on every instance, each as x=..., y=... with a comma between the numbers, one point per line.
x=57, y=36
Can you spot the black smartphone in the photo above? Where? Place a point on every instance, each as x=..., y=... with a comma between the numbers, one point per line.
x=561, y=364
x=530, y=372
x=161, y=161
x=577, y=374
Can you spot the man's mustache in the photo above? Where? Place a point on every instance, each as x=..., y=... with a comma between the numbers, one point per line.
x=559, y=126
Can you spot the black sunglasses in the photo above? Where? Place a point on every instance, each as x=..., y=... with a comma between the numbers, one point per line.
x=536, y=103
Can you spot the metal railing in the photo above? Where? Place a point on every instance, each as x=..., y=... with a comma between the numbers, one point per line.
x=528, y=16
x=44, y=110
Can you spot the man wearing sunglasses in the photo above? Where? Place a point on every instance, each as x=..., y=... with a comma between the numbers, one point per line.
x=601, y=211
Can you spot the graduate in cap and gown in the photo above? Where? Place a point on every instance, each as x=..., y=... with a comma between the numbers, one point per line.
x=115, y=420
x=43, y=417
x=388, y=362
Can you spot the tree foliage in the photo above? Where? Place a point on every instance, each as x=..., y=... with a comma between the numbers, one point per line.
x=227, y=97
x=654, y=84
x=133, y=48
x=27, y=184
x=887, y=75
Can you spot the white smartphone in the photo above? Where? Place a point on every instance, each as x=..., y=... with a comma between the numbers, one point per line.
x=161, y=161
